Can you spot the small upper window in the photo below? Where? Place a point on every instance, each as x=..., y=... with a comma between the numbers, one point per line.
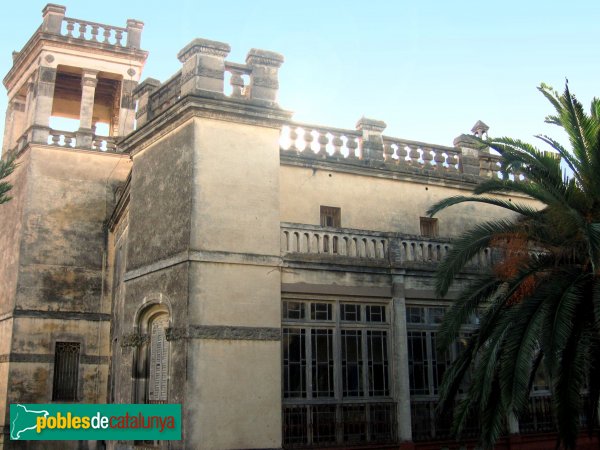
x=375, y=313
x=331, y=216
x=429, y=227
x=320, y=311
x=293, y=310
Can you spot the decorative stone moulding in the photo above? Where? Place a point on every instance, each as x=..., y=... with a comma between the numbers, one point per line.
x=204, y=47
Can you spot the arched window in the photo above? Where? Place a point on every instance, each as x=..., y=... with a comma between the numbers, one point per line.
x=151, y=364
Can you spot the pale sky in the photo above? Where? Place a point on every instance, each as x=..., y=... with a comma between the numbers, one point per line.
x=429, y=69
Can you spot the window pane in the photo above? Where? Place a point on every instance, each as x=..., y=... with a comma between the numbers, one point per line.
x=355, y=423
x=375, y=313
x=320, y=311
x=382, y=421
x=294, y=362
x=295, y=425
x=415, y=314
x=323, y=424
x=350, y=312
x=436, y=315
x=322, y=363
x=66, y=371
x=417, y=359
x=293, y=310
x=377, y=363
x=352, y=363
x=440, y=362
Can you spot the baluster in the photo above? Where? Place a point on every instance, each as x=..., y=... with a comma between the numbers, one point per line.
x=343, y=249
x=284, y=241
x=352, y=145
x=414, y=156
x=427, y=158
x=106, y=35
x=439, y=160
x=452, y=160
x=70, y=28
x=55, y=139
x=237, y=84
x=94, y=33
x=402, y=153
x=388, y=152
x=323, y=140
x=304, y=245
x=296, y=242
x=68, y=141
x=337, y=145
x=293, y=139
x=82, y=30
x=308, y=138
x=118, y=38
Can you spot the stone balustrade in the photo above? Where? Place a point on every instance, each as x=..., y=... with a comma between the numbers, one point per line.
x=68, y=139
x=104, y=144
x=312, y=141
x=420, y=155
x=308, y=239
x=94, y=32
x=62, y=138
x=370, y=246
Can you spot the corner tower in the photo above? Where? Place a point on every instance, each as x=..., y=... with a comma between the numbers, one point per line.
x=54, y=308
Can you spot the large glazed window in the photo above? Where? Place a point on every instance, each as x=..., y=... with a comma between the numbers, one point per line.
x=336, y=373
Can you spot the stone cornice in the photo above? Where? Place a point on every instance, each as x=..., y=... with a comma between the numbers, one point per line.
x=217, y=106
x=30, y=52
x=379, y=169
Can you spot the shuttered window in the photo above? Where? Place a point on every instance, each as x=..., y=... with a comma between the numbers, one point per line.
x=159, y=360
x=66, y=371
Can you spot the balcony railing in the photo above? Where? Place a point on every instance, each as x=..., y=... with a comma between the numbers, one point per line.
x=369, y=246
x=68, y=139
x=308, y=239
x=312, y=425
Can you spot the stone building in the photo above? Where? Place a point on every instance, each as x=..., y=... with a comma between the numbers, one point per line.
x=274, y=278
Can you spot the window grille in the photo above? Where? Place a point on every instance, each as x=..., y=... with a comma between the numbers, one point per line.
x=66, y=371
x=338, y=351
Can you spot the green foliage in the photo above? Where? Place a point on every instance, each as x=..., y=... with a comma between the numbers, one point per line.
x=7, y=166
x=540, y=301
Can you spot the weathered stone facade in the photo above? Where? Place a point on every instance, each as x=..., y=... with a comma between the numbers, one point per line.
x=206, y=228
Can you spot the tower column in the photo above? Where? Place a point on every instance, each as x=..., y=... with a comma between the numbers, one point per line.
x=39, y=98
x=89, y=81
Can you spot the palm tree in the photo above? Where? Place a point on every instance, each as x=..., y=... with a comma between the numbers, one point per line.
x=540, y=301
x=7, y=166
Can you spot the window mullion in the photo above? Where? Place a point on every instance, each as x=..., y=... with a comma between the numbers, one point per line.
x=365, y=365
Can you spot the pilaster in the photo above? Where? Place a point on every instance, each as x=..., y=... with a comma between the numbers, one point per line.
x=134, y=33
x=372, y=139
x=52, y=16
x=401, y=374
x=203, y=68
x=264, y=82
